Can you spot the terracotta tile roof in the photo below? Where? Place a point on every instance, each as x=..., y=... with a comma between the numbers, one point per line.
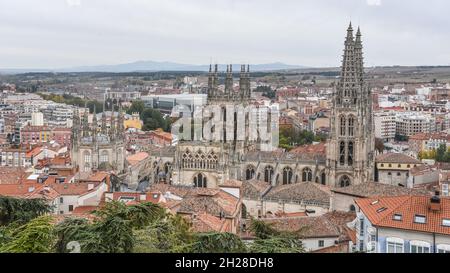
x=371, y=189
x=97, y=177
x=254, y=189
x=213, y=202
x=339, y=248
x=83, y=210
x=307, y=227
x=232, y=184
x=153, y=197
x=205, y=222
x=320, y=148
x=136, y=158
x=397, y=158
x=12, y=175
x=72, y=188
x=380, y=211
x=300, y=192
x=29, y=190
x=34, y=152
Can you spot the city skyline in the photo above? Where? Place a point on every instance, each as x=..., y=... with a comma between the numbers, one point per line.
x=70, y=33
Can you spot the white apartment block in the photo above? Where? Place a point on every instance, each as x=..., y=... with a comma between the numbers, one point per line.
x=385, y=125
x=411, y=123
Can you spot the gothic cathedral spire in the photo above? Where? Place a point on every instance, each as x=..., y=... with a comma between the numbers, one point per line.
x=350, y=147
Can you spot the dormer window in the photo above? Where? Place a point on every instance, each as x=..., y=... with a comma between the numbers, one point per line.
x=397, y=217
x=420, y=219
x=446, y=222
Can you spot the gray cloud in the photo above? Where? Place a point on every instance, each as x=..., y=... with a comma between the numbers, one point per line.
x=64, y=33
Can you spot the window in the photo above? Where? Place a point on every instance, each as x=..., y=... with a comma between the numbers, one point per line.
x=389, y=173
x=381, y=209
x=287, y=176
x=321, y=243
x=446, y=222
x=350, y=154
x=351, y=124
x=382, y=165
x=268, y=174
x=443, y=248
x=420, y=247
x=307, y=175
x=397, y=217
x=394, y=245
x=345, y=181
x=342, y=153
x=342, y=128
x=200, y=181
x=70, y=207
x=420, y=219
x=61, y=200
x=361, y=227
x=399, y=174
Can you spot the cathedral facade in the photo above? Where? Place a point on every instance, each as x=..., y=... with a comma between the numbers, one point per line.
x=95, y=148
x=349, y=152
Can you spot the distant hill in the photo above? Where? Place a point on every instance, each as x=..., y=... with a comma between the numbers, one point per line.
x=151, y=66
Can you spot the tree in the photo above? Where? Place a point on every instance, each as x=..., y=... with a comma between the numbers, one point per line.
x=441, y=153
x=213, y=242
x=34, y=237
x=379, y=145
x=277, y=245
x=21, y=210
x=270, y=240
x=137, y=106
x=171, y=235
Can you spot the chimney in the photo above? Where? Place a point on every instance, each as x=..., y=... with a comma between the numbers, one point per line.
x=435, y=202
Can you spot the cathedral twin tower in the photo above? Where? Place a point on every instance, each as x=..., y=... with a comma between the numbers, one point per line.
x=350, y=148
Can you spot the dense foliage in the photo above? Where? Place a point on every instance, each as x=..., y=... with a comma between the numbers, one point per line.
x=77, y=101
x=441, y=154
x=21, y=210
x=140, y=228
x=152, y=118
x=290, y=139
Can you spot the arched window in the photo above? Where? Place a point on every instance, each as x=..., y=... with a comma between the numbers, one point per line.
x=200, y=181
x=104, y=157
x=342, y=153
x=351, y=125
x=249, y=173
x=268, y=174
x=342, y=125
x=306, y=175
x=323, y=178
x=345, y=181
x=87, y=157
x=167, y=167
x=352, y=208
x=350, y=154
x=287, y=175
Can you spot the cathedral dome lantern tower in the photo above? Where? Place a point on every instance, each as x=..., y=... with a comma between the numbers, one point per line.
x=350, y=149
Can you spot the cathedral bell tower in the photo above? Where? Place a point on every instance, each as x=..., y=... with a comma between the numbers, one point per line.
x=350, y=148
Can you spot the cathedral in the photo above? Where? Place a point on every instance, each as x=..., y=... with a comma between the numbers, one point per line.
x=349, y=156
x=95, y=148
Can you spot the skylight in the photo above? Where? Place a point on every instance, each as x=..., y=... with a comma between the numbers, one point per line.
x=375, y=202
x=446, y=222
x=381, y=209
x=420, y=219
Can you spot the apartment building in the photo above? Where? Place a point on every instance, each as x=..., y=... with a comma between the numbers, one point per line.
x=403, y=224
x=385, y=125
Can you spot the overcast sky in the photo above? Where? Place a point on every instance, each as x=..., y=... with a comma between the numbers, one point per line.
x=66, y=33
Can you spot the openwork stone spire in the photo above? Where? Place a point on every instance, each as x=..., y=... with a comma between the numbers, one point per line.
x=347, y=91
